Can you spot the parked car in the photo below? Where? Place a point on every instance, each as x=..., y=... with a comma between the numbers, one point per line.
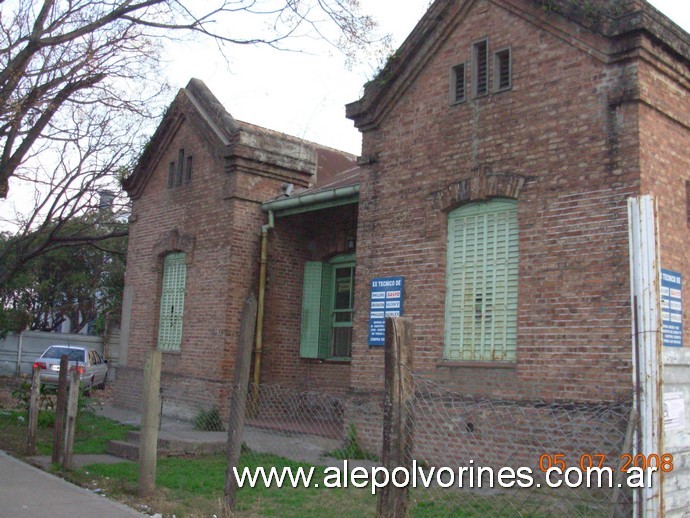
x=92, y=368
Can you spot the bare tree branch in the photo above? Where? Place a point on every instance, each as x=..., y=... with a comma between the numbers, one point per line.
x=57, y=54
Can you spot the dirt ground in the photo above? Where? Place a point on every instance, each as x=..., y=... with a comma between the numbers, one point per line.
x=8, y=384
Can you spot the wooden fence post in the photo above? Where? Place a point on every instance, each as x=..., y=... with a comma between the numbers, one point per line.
x=238, y=399
x=34, y=407
x=71, y=424
x=58, y=427
x=150, y=418
x=398, y=416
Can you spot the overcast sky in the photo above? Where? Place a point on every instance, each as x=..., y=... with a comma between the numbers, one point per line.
x=305, y=95
x=301, y=94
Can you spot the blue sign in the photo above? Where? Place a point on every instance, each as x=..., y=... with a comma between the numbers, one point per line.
x=672, y=308
x=386, y=301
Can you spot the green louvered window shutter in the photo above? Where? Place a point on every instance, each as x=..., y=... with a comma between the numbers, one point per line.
x=312, y=321
x=325, y=327
x=481, y=282
x=172, y=302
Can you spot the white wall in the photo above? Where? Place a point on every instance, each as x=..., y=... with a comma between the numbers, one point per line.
x=676, y=376
x=28, y=346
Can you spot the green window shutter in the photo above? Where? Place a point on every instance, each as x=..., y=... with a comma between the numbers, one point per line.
x=316, y=338
x=325, y=318
x=172, y=302
x=311, y=310
x=481, y=282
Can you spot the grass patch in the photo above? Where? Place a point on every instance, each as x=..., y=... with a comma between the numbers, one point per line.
x=352, y=449
x=194, y=487
x=191, y=487
x=92, y=435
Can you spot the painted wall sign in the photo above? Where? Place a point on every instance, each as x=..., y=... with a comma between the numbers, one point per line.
x=386, y=301
x=672, y=308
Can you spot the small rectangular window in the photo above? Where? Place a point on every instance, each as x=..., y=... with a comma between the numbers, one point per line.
x=502, y=70
x=480, y=68
x=180, y=167
x=171, y=174
x=457, y=84
x=188, y=170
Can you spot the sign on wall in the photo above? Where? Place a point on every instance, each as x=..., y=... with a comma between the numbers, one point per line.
x=672, y=308
x=386, y=300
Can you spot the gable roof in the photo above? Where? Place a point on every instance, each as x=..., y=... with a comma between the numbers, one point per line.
x=618, y=20
x=311, y=163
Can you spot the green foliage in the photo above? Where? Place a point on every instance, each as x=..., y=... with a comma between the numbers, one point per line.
x=209, y=421
x=385, y=71
x=82, y=283
x=352, y=449
x=46, y=418
x=23, y=394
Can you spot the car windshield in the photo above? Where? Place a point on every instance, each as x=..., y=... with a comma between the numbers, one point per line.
x=73, y=355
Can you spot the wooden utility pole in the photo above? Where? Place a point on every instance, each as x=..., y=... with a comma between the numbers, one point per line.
x=398, y=416
x=150, y=419
x=58, y=428
x=71, y=425
x=34, y=407
x=238, y=400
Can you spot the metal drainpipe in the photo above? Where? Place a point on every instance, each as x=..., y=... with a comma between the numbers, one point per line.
x=258, y=342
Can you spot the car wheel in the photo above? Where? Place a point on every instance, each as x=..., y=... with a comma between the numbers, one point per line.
x=101, y=386
x=87, y=388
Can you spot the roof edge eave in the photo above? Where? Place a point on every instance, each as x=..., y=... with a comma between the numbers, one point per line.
x=312, y=201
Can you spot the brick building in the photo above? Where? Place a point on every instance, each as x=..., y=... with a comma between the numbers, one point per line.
x=500, y=145
x=194, y=243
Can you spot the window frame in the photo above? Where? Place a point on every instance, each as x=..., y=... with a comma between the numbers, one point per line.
x=476, y=54
x=179, y=174
x=338, y=262
x=480, y=323
x=454, y=75
x=173, y=290
x=497, y=70
x=188, y=168
x=317, y=334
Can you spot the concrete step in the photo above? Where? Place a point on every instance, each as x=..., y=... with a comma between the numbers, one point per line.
x=170, y=446
x=123, y=449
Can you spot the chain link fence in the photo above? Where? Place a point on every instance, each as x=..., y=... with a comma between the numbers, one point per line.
x=461, y=444
x=488, y=435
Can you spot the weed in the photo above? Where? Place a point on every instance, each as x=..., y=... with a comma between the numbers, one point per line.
x=352, y=449
x=209, y=421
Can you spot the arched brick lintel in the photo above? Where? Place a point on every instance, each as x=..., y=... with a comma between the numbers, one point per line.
x=478, y=188
x=173, y=241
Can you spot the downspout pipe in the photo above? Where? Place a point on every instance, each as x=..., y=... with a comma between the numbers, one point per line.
x=258, y=340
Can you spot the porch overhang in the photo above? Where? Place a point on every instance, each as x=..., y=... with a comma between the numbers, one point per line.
x=312, y=201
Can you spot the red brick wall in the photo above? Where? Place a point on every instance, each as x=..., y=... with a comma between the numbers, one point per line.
x=313, y=236
x=563, y=131
x=201, y=217
x=216, y=220
x=665, y=157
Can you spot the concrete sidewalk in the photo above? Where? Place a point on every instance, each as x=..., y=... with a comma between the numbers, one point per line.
x=29, y=492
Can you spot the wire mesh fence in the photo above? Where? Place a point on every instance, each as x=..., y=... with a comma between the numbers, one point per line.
x=499, y=452
x=461, y=444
